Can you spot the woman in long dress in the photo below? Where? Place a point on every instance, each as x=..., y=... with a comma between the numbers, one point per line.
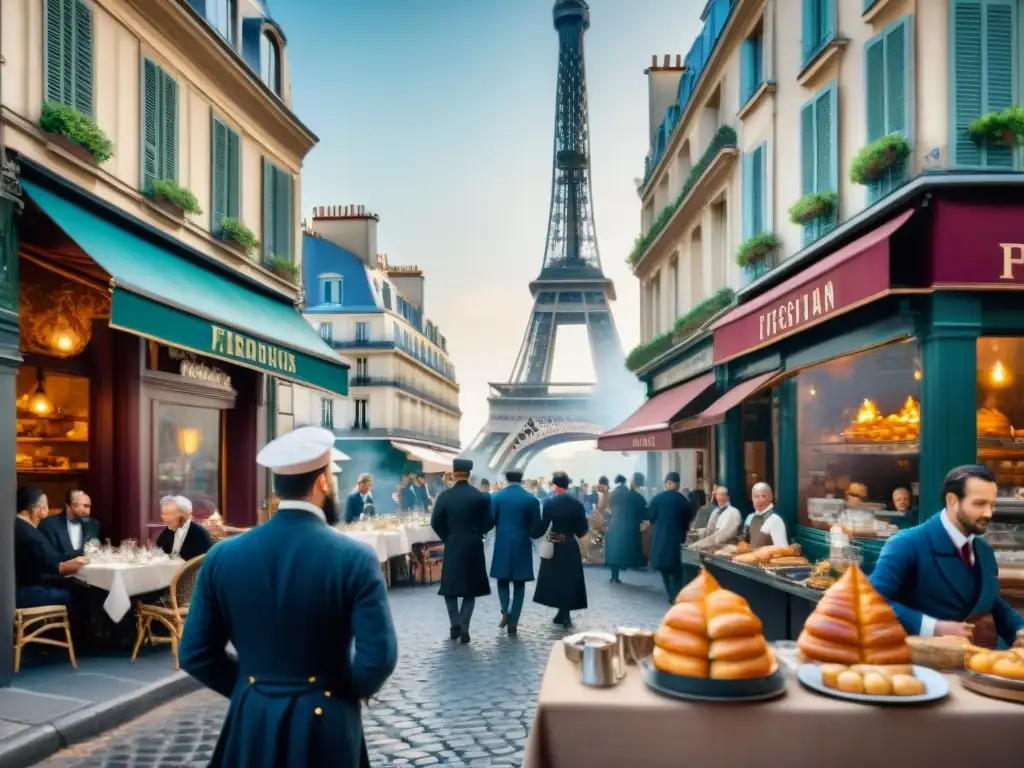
x=560, y=581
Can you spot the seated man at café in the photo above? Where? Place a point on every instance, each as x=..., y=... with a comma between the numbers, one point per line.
x=360, y=501
x=182, y=537
x=763, y=527
x=724, y=525
x=73, y=527
x=941, y=577
x=38, y=566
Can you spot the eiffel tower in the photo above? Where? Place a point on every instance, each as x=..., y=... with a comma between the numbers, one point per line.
x=529, y=412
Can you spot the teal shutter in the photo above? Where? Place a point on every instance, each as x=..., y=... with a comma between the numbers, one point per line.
x=807, y=156
x=757, y=190
x=268, y=209
x=748, y=188
x=747, y=85
x=874, y=87
x=1000, y=82
x=283, y=214
x=809, y=28
x=150, y=124
x=168, y=127
x=58, y=30
x=898, y=68
x=83, y=59
x=234, y=175
x=68, y=69
x=819, y=153
x=219, y=176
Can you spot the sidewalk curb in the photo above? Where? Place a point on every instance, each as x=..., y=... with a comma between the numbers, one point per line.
x=38, y=742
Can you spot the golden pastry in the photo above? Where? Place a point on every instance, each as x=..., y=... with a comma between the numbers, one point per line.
x=877, y=684
x=830, y=674
x=850, y=682
x=907, y=685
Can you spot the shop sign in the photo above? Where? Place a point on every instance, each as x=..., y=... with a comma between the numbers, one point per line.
x=816, y=302
x=232, y=344
x=685, y=369
x=978, y=245
x=660, y=440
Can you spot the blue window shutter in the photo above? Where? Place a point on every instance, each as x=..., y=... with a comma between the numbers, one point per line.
x=757, y=190
x=828, y=19
x=874, y=87
x=168, y=127
x=268, y=209
x=966, y=78
x=150, y=124
x=748, y=188
x=746, y=71
x=826, y=129
x=283, y=205
x=807, y=156
x=766, y=190
x=898, y=67
x=83, y=59
x=999, y=46
x=809, y=27
x=234, y=175
x=219, y=176
x=58, y=45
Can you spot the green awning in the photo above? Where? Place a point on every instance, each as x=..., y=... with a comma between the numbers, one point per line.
x=168, y=298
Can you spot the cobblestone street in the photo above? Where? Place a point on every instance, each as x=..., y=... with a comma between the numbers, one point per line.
x=446, y=703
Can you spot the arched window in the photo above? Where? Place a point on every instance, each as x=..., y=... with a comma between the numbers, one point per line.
x=270, y=62
x=331, y=289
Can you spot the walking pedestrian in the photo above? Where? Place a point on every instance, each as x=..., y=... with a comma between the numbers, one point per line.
x=289, y=595
x=516, y=520
x=462, y=517
x=670, y=514
x=623, y=547
x=560, y=582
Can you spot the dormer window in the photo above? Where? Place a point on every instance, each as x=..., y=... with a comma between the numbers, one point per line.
x=223, y=15
x=331, y=289
x=270, y=61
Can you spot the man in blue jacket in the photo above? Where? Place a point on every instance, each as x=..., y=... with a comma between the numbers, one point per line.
x=516, y=515
x=941, y=577
x=306, y=609
x=360, y=502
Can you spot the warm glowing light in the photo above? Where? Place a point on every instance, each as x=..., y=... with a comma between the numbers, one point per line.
x=64, y=343
x=65, y=339
x=868, y=412
x=998, y=374
x=813, y=392
x=40, y=404
x=917, y=375
x=189, y=440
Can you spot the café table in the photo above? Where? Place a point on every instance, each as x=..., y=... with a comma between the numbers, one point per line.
x=629, y=724
x=122, y=581
x=421, y=534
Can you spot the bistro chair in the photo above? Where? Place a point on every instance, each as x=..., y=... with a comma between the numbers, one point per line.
x=172, y=617
x=31, y=623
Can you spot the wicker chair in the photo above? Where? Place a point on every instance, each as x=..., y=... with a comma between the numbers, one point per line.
x=31, y=623
x=172, y=617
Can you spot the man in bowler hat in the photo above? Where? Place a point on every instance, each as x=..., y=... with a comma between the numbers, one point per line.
x=461, y=518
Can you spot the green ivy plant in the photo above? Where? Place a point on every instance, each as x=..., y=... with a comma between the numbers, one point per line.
x=685, y=326
x=176, y=195
x=233, y=229
x=878, y=157
x=999, y=129
x=813, y=206
x=283, y=268
x=725, y=137
x=78, y=127
x=756, y=248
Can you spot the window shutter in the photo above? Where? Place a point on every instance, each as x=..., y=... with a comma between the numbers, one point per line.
x=807, y=155
x=234, y=175
x=809, y=27
x=825, y=140
x=766, y=212
x=757, y=191
x=897, y=77
x=828, y=19
x=219, y=175
x=875, y=87
x=967, y=94
x=150, y=124
x=746, y=71
x=998, y=45
x=58, y=28
x=83, y=59
x=283, y=214
x=168, y=127
x=748, y=186
x=268, y=209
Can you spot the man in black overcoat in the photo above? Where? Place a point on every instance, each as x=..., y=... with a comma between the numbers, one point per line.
x=461, y=518
x=671, y=515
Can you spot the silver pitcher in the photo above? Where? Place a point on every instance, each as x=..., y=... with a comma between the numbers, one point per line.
x=634, y=644
x=600, y=667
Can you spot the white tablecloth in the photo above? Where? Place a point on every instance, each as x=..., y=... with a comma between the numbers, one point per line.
x=123, y=581
x=386, y=544
x=421, y=534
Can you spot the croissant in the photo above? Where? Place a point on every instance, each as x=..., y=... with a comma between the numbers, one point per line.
x=853, y=624
x=711, y=632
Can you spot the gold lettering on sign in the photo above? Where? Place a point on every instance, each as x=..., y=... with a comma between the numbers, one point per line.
x=810, y=305
x=1009, y=260
x=230, y=344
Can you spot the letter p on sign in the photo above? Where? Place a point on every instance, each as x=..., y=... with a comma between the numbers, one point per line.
x=1013, y=255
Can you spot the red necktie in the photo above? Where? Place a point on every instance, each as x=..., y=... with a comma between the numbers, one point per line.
x=965, y=554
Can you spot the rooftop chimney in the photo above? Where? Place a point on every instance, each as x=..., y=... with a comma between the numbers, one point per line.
x=351, y=227
x=663, y=87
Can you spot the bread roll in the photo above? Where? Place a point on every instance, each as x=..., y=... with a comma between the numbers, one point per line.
x=895, y=654
x=877, y=684
x=850, y=682
x=815, y=649
x=733, y=625
x=676, y=664
x=682, y=642
x=723, y=602
x=982, y=663
x=750, y=558
x=1009, y=668
x=759, y=666
x=830, y=674
x=882, y=635
x=738, y=648
x=907, y=685
x=698, y=589
x=688, y=617
x=833, y=630
x=884, y=669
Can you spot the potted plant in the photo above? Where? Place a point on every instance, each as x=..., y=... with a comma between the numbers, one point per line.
x=75, y=133
x=238, y=236
x=284, y=268
x=755, y=248
x=813, y=206
x=173, y=198
x=999, y=129
x=877, y=157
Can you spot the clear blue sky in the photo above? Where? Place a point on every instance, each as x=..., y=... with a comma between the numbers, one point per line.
x=439, y=115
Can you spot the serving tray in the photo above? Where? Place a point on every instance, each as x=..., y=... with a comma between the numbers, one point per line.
x=935, y=687
x=992, y=686
x=706, y=689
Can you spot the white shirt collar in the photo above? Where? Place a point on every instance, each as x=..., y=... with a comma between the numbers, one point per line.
x=764, y=511
x=958, y=538
x=304, y=506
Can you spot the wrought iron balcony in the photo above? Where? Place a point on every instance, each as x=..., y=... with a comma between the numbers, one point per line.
x=382, y=381
x=362, y=342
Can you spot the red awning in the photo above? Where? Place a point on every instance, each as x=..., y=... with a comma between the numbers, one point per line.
x=715, y=413
x=853, y=275
x=648, y=428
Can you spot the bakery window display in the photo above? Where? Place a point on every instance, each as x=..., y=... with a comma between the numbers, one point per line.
x=711, y=646
x=855, y=647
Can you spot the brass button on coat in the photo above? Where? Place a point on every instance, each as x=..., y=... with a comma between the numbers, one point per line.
x=318, y=711
x=252, y=680
x=312, y=680
x=327, y=694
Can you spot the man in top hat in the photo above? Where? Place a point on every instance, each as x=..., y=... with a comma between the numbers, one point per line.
x=461, y=518
x=306, y=609
x=671, y=514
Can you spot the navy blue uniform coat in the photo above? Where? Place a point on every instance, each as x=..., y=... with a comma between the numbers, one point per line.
x=292, y=596
x=55, y=529
x=462, y=515
x=671, y=514
x=623, y=546
x=920, y=573
x=354, y=507
x=560, y=582
x=516, y=521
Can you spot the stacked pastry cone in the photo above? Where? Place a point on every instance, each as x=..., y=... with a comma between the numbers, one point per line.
x=853, y=624
x=711, y=632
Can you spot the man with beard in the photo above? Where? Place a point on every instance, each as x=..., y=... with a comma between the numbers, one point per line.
x=306, y=609
x=941, y=577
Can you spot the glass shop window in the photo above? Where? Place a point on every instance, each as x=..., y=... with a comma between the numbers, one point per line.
x=1000, y=412
x=188, y=456
x=859, y=421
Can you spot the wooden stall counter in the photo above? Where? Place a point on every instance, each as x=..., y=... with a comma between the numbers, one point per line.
x=631, y=725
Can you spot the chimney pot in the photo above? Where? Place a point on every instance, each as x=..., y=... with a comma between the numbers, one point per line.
x=679, y=60
x=654, y=60
x=668, y=60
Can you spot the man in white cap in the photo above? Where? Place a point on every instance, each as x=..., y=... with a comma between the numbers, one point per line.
x=306, y=609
